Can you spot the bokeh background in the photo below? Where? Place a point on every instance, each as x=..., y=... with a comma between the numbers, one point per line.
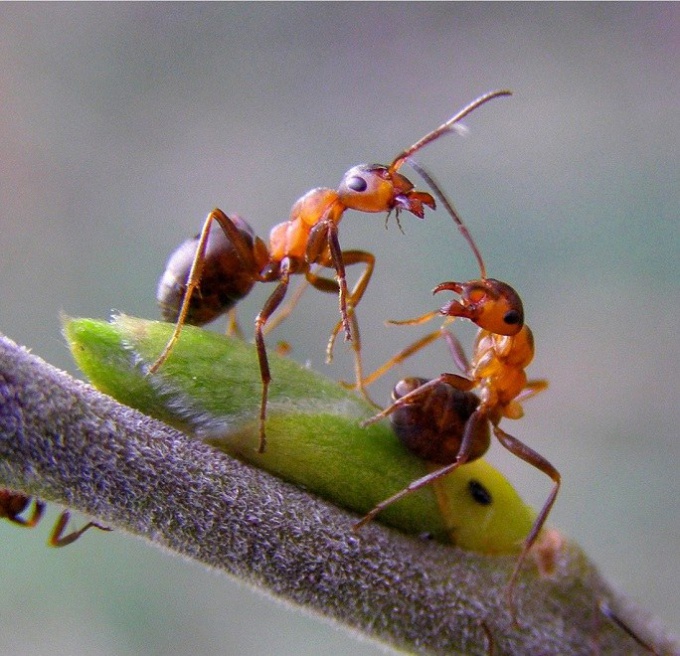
x=121, y=126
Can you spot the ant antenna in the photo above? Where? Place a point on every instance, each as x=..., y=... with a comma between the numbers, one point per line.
x=430, y=181
x=445, y=127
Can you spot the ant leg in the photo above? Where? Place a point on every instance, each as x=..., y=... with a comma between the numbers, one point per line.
x=401, y=401
x=605, y=609
x=244, y=254
x=336, y=258
x=349, y=258
x=338, y=263
x=401, y=356
x=358, y=365
x=268, y=309
x=530, y=456
x=416, y=321
x=233, y=327
x=288, y=308
x=463, y=384
x=368, y=259
x=466, y=449
x=359, y=257
x=413, y=348
x=38, y=510
x=456, y=350
x=58, y=540
x=323, y=247
x=531, y=389
x=328, y=286
x=405, y=353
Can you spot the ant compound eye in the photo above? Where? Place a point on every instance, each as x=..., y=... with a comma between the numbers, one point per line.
x=356, y=183
x=479, y=493
x=512, y=317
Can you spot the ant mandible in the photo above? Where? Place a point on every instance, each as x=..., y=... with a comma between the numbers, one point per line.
x=308, y=238
x=12, y=504
x=503, y=348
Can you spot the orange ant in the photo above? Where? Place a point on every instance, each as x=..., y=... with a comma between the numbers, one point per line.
x=12, y=504
x=503, y=348
x=309, y=238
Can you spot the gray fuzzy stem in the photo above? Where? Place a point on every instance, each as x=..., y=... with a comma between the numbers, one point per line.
x=63, y=441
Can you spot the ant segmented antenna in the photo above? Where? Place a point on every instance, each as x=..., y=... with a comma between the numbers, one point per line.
x=446, y=127
x=444, y=200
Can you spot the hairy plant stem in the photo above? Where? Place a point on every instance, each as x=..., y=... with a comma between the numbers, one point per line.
x=63, y=441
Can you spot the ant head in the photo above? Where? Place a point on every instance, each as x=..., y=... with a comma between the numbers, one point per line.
x=491, y=304
x=378, y=188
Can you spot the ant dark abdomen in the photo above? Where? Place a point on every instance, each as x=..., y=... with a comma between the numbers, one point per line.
x=431, y=426
x=225, y=279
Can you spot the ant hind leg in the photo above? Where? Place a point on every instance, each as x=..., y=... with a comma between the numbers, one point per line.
x=243, y=252
x=535, y=459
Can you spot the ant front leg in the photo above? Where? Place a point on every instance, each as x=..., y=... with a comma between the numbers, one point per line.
x=416, y=346
x=323, y=246
x=268, y=309
x=532, y=388
x=349, y=258
x=327, y=285
x=58, y=540
x=410, y=350
x=457, y=352
x=522, y=451
x=243, y=252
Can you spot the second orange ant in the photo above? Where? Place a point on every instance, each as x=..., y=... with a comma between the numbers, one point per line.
x=308, y=239
x=12, y=504
x=503, y=348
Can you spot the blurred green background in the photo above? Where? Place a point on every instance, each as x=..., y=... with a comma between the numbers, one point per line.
x=122, y=125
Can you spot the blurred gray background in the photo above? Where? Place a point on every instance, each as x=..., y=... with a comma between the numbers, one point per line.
x=121, y=126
